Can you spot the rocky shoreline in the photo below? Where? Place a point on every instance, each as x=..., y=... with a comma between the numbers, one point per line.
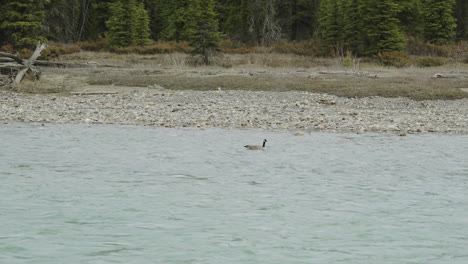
x=295, y=111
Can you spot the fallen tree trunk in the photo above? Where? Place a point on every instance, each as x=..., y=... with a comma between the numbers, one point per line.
x=23, y=66
x=73, y=65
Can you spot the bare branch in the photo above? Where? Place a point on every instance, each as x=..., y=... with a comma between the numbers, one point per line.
x=14, y=57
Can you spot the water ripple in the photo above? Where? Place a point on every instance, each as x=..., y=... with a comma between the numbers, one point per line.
x=133, y=195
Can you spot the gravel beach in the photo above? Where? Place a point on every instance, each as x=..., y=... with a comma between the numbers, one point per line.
x=295, y=111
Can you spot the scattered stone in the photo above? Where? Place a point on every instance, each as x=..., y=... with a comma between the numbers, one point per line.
x=241, y=109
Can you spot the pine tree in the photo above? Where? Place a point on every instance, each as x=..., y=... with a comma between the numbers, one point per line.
x=439, y=23
x=62, y=20
x=352, y=27
x=411, y=17
x=233, y=19
x=120, y=34
x=141, y=30
x=128, y=24
x=461, y=15
x=98, y=15
x=174, y=14
x=381, y=26
x=154, y=9
x=306, y=19
x=21, y=22
x=202, y=28
x=331, y=24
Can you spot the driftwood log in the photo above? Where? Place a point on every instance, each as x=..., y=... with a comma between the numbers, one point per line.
x=22, y=67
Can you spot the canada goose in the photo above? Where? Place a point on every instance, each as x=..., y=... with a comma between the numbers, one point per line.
x=256, y=147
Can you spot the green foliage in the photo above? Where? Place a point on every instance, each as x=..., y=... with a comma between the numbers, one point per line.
x=128, y=24
x=418, y=47
x=174, y=13
x=352, y=28
x=439, y=23
x=140, y=25
x=331, y=26
x=53, y=51
x=119, y=25
x=304, y=19
x=381, y=26
x=98, y=45
x=155, y=48
x=347, y=60
x=94, y=26
x=461, y=16
x=63, y=20
x=402, y=59
x=21, y=22
x=233, y=19
x=393, y=58
x=202, y=28
x=305, y=48
x=411, y=16
x=362, y=27
x=430, y=61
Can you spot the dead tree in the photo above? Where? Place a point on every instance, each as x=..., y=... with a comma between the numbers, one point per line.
x=22, y=66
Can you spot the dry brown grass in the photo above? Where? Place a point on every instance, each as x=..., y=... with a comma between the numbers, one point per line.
x=415, y=86
x=262, y=71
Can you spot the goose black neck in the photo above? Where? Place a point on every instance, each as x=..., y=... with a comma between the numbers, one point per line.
x=264, y=141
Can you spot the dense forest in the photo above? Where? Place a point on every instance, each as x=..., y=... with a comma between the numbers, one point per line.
x=363, y=27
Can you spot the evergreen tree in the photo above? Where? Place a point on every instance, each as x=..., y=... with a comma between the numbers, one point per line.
x=119, y=24
x=411, y=16
x=98, y=15
x=202, y=28
x=305, y=19
x=21, y=22
x=62, y=20
x=141, y=30
x=154, y=9
x=381, y=26
x=352, y=27
x=439, y=23
x=461, y=15
x=233, y=19
x=128, y=24
x=331, y=26
x=174, y=14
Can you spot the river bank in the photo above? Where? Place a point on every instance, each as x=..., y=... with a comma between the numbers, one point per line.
x=293, y=110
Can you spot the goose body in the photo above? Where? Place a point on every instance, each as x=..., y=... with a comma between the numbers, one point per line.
x=256, y=147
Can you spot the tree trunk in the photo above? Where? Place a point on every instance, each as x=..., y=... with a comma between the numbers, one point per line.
x=23, y=66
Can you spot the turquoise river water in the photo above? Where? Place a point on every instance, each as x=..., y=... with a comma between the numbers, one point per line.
x=125, y=194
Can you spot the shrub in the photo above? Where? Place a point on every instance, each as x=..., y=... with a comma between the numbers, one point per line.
x=54, y=51
x=25, y=53
x=155, y=48
x=98, y=45
x=429, y=61
x=306, y=48
x=8, y=48
x=393, y=58
x=234, y=47
x=415, y=46
x=347, y=60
